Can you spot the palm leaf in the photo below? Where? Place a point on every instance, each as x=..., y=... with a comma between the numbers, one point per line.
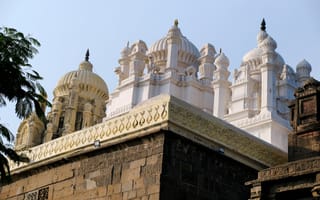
x=6, y=133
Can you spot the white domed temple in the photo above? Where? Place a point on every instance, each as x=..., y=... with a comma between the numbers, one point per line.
x=177, y=126
x=256, y=100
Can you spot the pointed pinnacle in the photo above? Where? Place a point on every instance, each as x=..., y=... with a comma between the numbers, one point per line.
x=176, y=22
x=263, y=25
x=87, y=55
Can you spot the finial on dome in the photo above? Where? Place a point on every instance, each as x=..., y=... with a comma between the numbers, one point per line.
x=220, y=51
x=263, y=25
x=128, y=44
x=87, y=55
x=176, y=22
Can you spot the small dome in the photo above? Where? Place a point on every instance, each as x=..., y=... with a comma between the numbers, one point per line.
x=222, y=61
x=304, y=65
x=261, y=36
x=85, y=65
x=269, y=44
x=125, y=51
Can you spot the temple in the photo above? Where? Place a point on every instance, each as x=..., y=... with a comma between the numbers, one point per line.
x=177, y=126
x=256, y=100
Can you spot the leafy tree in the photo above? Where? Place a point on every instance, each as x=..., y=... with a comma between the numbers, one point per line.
x=19, y=85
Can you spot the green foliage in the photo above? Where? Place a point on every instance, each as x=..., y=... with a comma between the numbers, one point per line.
x=18, y=84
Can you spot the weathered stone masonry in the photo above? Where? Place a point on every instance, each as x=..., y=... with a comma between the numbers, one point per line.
x=125, y=171
x=135, y=170
x=191, y=171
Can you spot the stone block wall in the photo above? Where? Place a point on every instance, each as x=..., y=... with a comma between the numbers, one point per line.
x=125, y=171
x=158, y=166
x=192, y=171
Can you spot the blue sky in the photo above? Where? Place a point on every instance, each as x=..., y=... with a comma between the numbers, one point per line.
x=67, y=28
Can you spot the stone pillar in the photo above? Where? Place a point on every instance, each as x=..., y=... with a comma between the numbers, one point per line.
x=71, y=110
x=87, y=115
x=267, y=88
x=268, y=75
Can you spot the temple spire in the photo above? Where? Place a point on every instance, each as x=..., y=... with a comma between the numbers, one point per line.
x=176, y=22
x=87, y=55
x=263, y=25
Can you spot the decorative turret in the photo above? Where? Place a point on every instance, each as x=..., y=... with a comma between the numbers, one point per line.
x=123, y=70
x=79, y=101
x=173, y=40
x=221, y=85
x=137, y=58
x=206, y=66
x=303, y=71
x=268, y=75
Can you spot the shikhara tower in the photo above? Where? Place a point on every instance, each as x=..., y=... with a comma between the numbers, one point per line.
x=256, y=100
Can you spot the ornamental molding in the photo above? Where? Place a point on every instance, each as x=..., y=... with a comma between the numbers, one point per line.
x=140, y=118
x=296, y=168
x=162, y=112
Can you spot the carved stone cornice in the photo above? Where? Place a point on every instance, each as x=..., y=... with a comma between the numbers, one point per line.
x=163, y=112
x=291, y=169
x=233, y=140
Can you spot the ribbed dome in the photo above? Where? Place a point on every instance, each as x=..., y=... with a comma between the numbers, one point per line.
x=185, y=46
x=254, y=54
x=86, y=80
x=187, y=51
x=269, y=43
x=303, y=65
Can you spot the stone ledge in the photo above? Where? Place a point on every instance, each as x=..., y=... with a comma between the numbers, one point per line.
x=163, y=112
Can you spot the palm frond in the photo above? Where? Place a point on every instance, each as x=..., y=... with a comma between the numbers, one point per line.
x=6, y=133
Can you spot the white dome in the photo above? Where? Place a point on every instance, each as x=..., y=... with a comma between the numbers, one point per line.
x=187, y=51
x=222, y=61
x=303, y=65
x=269, y=44
x=185, y=45
x=261, y=36
x=254, y=54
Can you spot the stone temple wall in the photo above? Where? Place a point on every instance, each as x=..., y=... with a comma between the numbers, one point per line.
x=191, y=171
x=129, y=170
x=162, y=165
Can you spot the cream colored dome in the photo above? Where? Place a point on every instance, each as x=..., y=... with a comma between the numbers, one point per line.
x=87, y=81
